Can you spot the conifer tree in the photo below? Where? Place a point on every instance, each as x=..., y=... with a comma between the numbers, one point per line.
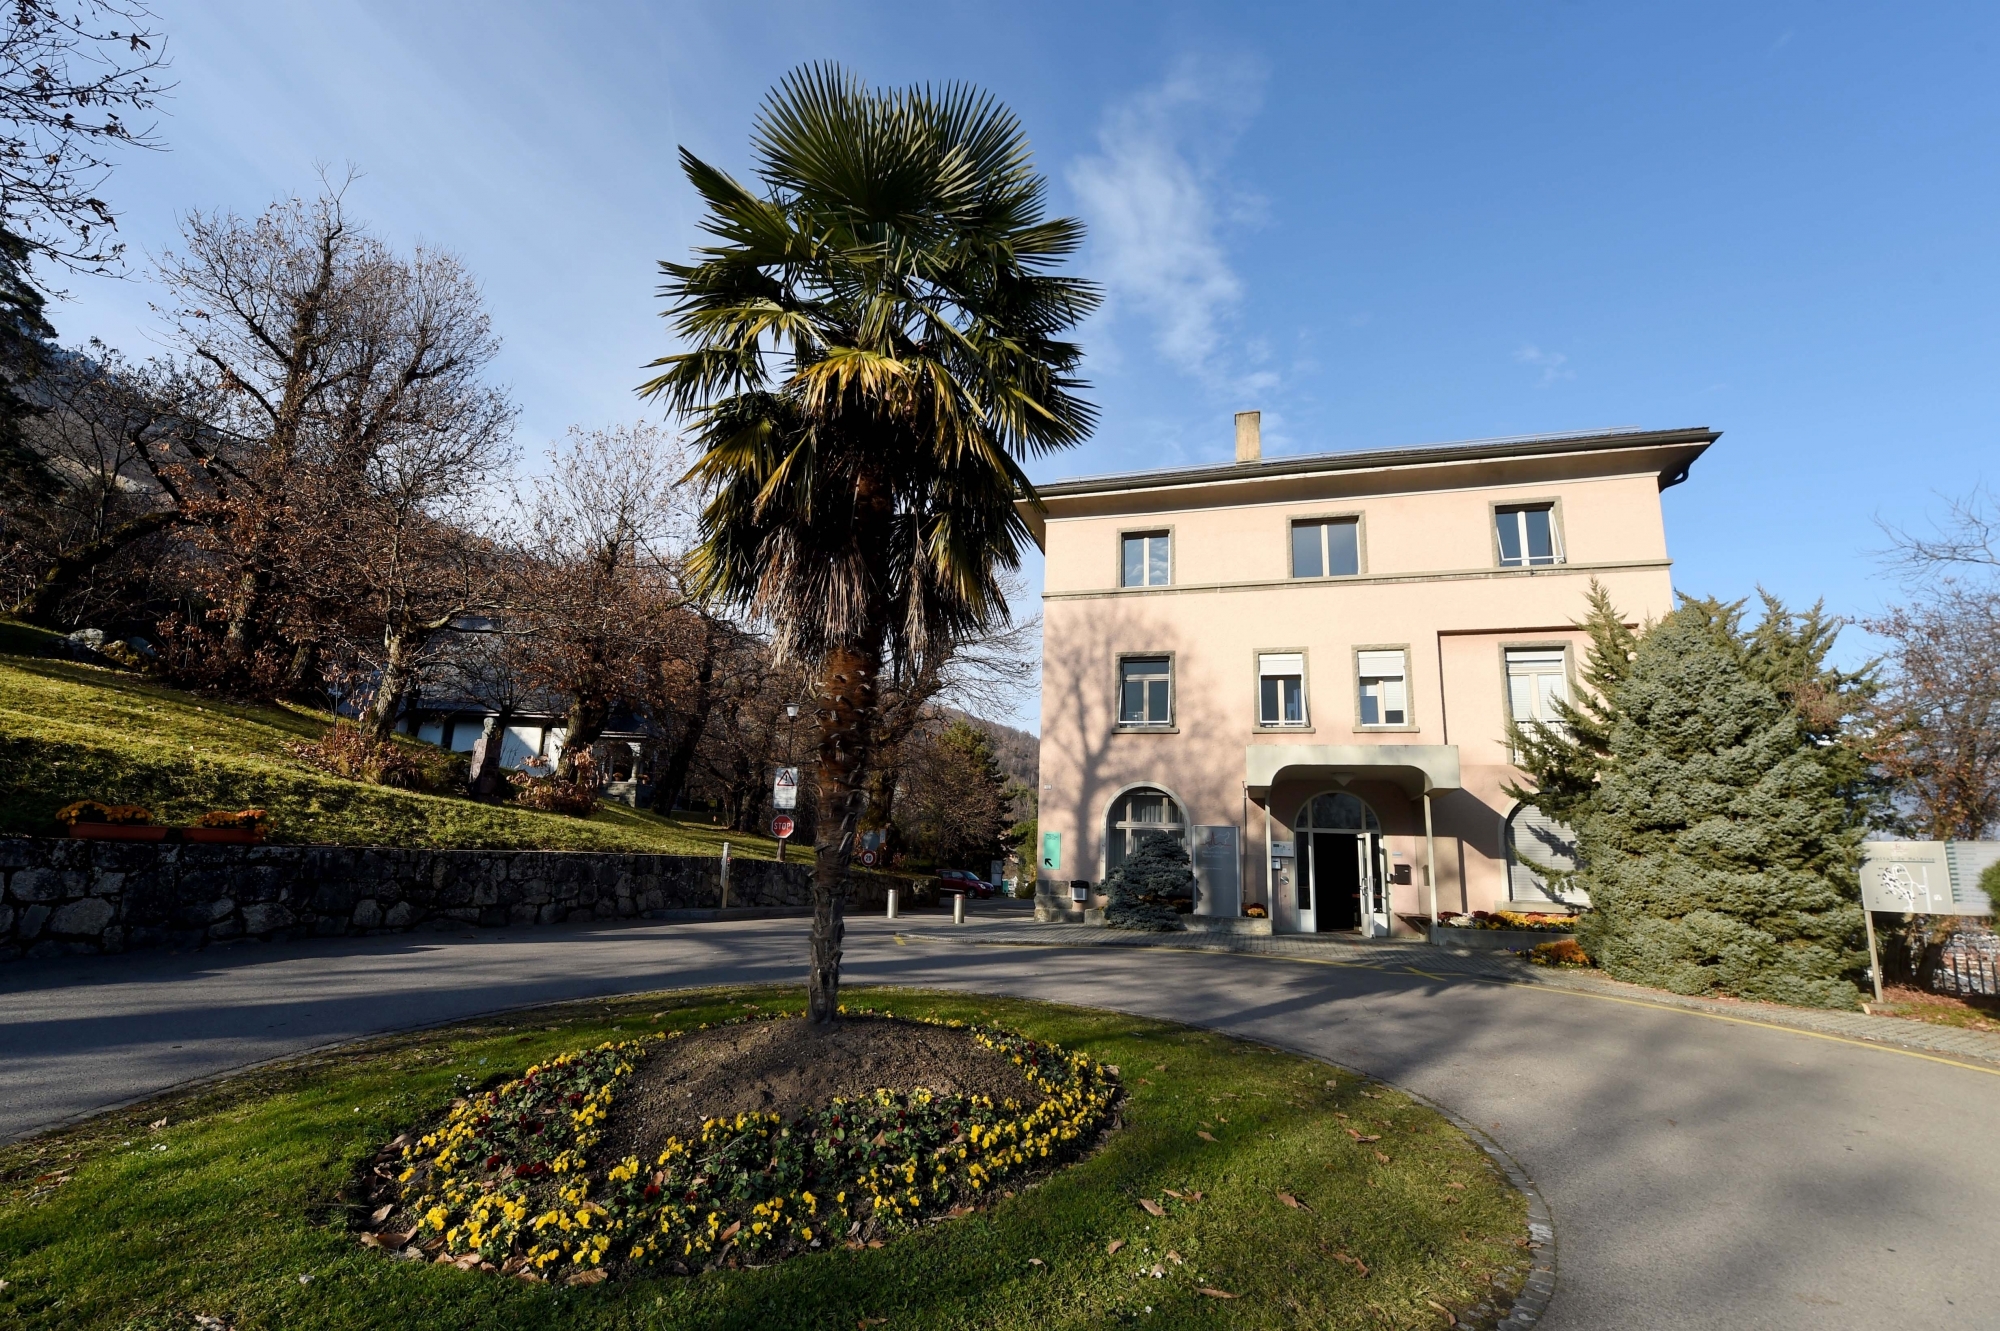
x=1719, y=843
x=1139, y=888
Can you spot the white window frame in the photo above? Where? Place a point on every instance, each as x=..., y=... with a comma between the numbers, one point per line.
x=1164, y=535
x=1323, y=521
x=1281, y=666
x=1558, y=554
x=1362, y=678
x=1146, y=723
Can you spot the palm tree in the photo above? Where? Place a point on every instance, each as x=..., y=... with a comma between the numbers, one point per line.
x=874, y=350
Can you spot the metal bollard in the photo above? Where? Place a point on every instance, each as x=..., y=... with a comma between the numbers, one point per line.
x=958, y=909
x=892, y=903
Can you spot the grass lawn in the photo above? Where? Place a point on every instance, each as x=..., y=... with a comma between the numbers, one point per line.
x=1975, y=1014
x=233, y=1208
x=71, y=731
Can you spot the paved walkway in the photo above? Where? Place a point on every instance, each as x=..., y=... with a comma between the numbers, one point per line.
x=1421, y=958
x=1701, y=1172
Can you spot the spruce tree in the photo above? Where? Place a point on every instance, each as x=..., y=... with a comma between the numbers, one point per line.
x=1720, y=840
x=1139, y=889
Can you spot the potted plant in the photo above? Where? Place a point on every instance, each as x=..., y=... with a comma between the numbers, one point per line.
x=88, y=820
x=244, y=827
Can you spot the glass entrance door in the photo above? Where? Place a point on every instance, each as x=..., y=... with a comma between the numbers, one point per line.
x=1338, y=883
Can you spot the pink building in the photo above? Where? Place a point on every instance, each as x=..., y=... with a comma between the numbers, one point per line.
x=1304, y=666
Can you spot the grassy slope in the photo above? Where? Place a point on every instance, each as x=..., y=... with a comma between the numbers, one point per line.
x=225, y=1209
x=70, y=732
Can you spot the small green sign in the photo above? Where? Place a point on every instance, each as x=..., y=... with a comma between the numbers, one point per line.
x=1051, y=851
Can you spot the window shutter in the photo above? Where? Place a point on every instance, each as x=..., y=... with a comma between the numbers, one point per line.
x=1281, y=663
x=1383, y=665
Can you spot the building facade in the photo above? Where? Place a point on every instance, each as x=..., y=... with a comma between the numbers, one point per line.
x=1304, y=667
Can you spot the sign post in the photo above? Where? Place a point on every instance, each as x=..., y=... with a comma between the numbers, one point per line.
x=784, y=797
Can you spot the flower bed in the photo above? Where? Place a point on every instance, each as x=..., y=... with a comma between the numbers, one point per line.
x=1507, y=919
x=507, y=1181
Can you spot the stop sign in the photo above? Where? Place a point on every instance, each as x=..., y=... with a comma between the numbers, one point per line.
x=781, y=826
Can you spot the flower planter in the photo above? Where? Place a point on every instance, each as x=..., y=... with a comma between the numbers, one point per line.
x=1496, y=940
x=234, y=836
x=117, y=832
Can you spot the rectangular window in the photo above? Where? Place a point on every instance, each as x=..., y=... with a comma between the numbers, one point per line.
x=1527, y=536
x=1281, y=689
x=1328, y=548
x=1536, y=680
x=1384, y=689
x=1145, y=691
x=1145, y=559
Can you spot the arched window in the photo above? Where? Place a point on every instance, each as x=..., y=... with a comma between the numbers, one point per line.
x=1337, y=812
x=1140, y=813
x=1535, y=842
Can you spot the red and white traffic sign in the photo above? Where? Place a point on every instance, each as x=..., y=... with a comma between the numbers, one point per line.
x=781, y=826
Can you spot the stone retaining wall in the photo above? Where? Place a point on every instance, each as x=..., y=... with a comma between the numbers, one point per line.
x=64, y=897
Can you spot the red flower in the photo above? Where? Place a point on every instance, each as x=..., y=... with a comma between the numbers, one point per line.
x=652, y=1191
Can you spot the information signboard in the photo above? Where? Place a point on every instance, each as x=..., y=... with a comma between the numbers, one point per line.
x=785, y=791
x=1925, y=877
x=1051, y=852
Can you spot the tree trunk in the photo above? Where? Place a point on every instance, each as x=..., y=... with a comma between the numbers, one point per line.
x=846, y=707
x=680, y=759
x=298, y=675
x=63, y=576
x=485, y=779
x=583, y=727
x=379, y=719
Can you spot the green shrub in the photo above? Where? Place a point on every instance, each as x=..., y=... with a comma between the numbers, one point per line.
x=1141, y=888
x=1718, y=851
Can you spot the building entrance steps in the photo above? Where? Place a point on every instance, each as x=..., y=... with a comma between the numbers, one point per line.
x=1420, y=958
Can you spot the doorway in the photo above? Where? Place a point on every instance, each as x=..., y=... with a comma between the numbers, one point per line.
x=1338, y=883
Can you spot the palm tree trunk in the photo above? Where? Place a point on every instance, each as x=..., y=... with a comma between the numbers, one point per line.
x=847, y=703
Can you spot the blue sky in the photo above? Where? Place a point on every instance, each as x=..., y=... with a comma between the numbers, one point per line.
x=1379, y=224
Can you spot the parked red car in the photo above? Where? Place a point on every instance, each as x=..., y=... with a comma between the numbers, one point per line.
x=961, y=882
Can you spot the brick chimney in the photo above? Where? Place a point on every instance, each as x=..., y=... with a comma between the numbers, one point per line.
x=1249, y=436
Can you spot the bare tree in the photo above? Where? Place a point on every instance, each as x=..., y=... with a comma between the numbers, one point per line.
x=113, y=437
x=605, y=527
x=334, y=368
x=71, y=71
x=1937, y=720
x=1966, y=541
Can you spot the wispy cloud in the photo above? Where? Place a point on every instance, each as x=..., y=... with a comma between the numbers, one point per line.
x=1157, y=205
x=1554, y=365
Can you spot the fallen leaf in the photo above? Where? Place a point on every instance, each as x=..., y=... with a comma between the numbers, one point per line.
x=1293, y=1202
x=1116, y=1244
x=1448, y=1318
x=1354, y=1262
x=1338, y=1114
x=1158, y=1272
x=513, y=1264
x=874, y=1243
x=958, y=1213
x=1217, y=1293
x=1159, y=1067
x=1207, y=1137
x=590, y=1277
x=1151, y=1207
x=876, y=1140
x=1034, y=1261
x=383, y=1213
x=1383, y=1158
x=1194, y=1196
x=470, y=1260
x=1332, y=1085
x=729, y=1233
x=1145, y=1081
x=867, y=1322
x=1459, y=1186
x=1171, y=1193
x=1371, y=1095
x=1111, y=1068
x=1176, y=1258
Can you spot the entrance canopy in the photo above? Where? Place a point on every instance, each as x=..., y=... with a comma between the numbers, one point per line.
x=1417, y=768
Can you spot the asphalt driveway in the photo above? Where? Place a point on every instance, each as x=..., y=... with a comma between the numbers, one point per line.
x=1702, y=1173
